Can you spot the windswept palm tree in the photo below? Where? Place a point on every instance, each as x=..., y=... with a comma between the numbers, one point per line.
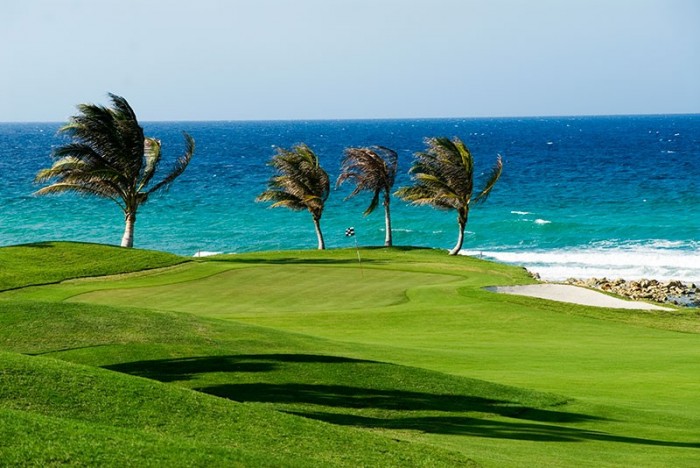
x=299, y=183
x=374, y=170
x=444, y=178
x=110, y=157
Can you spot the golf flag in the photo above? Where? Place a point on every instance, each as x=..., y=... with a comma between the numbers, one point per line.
x=350, y=232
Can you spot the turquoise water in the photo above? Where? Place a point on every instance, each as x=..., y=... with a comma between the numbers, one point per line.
x=580, y=196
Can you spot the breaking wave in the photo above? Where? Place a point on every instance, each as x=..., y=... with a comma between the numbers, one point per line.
x=658, y=259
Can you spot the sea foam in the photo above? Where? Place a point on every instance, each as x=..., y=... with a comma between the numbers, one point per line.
x=658, y=259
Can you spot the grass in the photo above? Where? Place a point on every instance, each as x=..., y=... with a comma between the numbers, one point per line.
x=304, y=358
x=50, y=262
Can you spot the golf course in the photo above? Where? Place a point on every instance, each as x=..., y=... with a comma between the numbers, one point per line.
x=127, y=357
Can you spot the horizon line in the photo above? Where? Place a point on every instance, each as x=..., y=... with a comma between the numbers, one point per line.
x=359, y=119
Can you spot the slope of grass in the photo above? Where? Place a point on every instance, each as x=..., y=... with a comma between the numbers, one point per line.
x=408, y=347
x=51, y=262
x=144, y=420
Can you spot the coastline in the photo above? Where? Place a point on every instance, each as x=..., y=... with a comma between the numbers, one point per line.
x=658, y=259
x=675, y=292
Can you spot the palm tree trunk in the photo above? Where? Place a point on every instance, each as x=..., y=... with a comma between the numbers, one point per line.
x=319, y=234
x=128, y=238
x=462, y=221
x=387, y=221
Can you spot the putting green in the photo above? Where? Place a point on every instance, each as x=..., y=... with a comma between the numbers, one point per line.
x=258, y=290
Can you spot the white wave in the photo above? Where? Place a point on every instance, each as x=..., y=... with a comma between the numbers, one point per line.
x=659, y=259
x=520, y=212
x=205, y=253
x=667, y=244
x=542, y=221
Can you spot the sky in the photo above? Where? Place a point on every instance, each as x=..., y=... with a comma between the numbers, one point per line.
x=349, y=59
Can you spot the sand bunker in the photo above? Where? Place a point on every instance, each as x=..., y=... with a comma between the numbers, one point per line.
x=574, y=295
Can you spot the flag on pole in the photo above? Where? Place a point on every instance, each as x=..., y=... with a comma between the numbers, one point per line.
x=350, y=232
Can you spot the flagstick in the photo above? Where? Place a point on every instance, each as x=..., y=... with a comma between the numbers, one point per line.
x=350, y=232
x=359, y=260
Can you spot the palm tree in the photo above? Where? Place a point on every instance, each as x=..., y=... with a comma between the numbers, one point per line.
x=110, y=157
x=372, y=169
x=444, y=178
x=300, y=183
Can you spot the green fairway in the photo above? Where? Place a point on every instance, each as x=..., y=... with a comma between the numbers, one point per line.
x=403, y=360
x=277, y=290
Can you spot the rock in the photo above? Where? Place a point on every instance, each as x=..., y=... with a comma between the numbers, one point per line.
x=673, y=292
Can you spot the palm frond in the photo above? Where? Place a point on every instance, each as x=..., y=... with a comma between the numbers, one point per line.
x=371, y=169
x=281, y=199
x=108, y=156
x=373, y=204
x=63, y=187
x=88, y=155
x=418, y=195
x=152, y=155
x=299, y=181
x=443, y=176
x=180, y=166
x=112, y=132
x=496, y=172
x=60, y=167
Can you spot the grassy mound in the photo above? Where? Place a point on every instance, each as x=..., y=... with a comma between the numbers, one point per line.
x=127, y=419
x=51, y=262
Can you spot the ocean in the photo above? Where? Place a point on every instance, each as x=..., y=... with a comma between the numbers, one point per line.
x=579, y=196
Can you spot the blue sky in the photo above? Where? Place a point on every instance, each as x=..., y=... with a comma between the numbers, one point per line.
x=334, y=59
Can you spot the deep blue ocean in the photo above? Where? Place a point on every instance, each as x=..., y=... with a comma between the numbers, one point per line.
x=579, y=196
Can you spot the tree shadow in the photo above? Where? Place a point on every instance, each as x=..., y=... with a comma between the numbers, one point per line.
x=340, y=396
x=375, y=408
x=483, y=427
x=38, y=245
x=169, y=370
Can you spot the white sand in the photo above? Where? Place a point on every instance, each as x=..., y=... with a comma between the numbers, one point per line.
x=574, y=295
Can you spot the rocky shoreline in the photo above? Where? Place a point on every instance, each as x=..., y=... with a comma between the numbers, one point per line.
x=668, y=292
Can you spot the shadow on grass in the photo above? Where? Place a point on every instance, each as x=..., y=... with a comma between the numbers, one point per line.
x=376, y=408
x=170, y=370
x=340, y=396
x=336, y=396
x=37, y=245
x=459, y=425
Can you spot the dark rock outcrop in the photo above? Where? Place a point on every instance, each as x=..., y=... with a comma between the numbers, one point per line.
x=670, y=292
